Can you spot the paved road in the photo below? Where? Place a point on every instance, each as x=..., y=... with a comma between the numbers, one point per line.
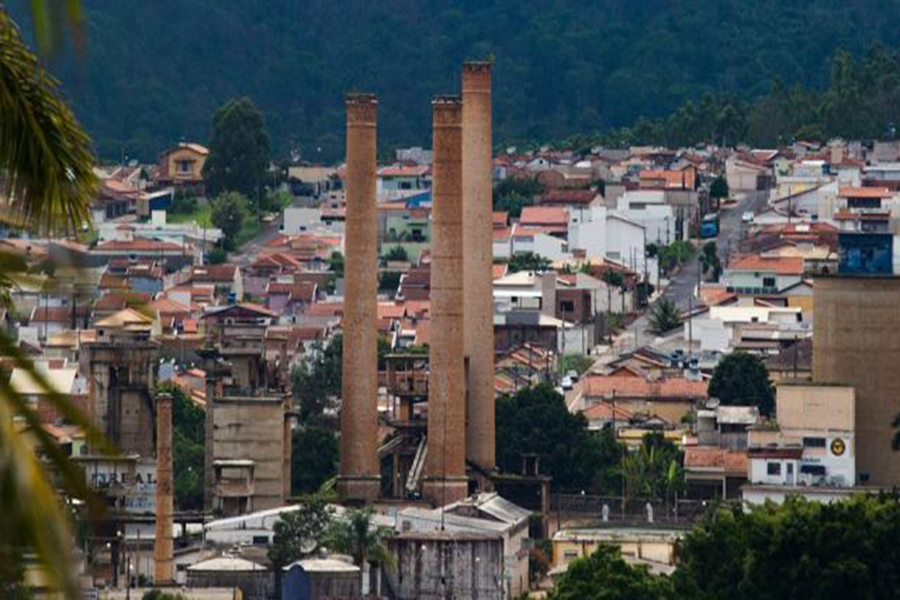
x=682, y=285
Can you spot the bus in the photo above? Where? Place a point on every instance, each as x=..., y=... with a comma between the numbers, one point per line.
x=709, y=226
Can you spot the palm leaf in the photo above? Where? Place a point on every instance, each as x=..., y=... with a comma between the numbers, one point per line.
x=44, y=153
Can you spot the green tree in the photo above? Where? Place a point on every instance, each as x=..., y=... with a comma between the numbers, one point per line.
x=298, y=534
x=48, y=182
x=664, y=317
x=604, y=575
x=396, y=253
x=188, y=442
x=537, y=421
x=356, y=536
x=314, y=458
x=709, y=261
x=528, y=261
x=742, y=379
x=719, y=188
x=336, y=263
x=217, y=256
x=317, y=381
x=229, y=210
x=238, y=151
x=654, y=470
x=514, y=193
x=802, y=548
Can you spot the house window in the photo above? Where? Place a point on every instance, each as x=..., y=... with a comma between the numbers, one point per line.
x=567, y=306
x=773, y=468
x=184, y=166
x=813, y=442
x=570, y=555
x=768, y=282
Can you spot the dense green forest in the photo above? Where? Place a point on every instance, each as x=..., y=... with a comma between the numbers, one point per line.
x=154, y=72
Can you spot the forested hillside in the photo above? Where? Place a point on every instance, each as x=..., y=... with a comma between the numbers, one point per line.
x=154, y=72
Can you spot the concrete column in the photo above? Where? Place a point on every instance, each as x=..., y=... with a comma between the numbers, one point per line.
x=359, y=476
x=445, y=479
x=477, y=178
x=209, y=428
x=163, y=548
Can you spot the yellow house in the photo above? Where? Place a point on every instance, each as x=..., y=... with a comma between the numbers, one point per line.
x=655, y=548
x=182, y=165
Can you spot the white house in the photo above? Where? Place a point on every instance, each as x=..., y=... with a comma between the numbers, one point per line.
x=762, y=274
x=811, y=449
x=649, y=209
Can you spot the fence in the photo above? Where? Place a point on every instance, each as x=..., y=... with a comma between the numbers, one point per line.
x=632, y=511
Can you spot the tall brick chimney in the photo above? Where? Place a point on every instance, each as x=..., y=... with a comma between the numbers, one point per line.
x=477, y=181
x=163, y=549
x=445, y=479
x=359, y=474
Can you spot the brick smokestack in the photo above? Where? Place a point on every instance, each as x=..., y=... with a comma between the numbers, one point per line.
x=446, y=465
x=359, y=476
x=163, y=549
x=477, y=178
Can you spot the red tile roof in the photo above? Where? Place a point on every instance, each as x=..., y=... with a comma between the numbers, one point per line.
x=712, y=458
x=404, y=171
x=568, y=197
x=782, y=265
x=138, y=245
x=864, y=192
x=601, y=386
x=544, y=215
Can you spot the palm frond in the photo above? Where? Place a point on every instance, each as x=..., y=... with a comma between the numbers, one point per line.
x=44, y=154
x=34, y=517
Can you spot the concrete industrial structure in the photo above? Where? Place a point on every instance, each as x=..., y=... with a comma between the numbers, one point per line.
x=856, y=344
x=445, y=479
x=359, y=475
x=121, y=362
x=163, y=549
x=477, y=181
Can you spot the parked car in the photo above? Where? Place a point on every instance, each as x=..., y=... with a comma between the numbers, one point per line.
x=567, y=383
x=572, y=374
x=748, y=217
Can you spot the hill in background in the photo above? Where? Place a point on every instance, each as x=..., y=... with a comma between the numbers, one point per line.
x=154, y=72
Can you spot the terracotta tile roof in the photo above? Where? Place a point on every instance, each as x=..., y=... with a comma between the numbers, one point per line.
x=301, y=292
x=118, y=301
x=59, y=314
x=568, y=197
x=500, y=219
x=601, y=386
x=167, y=306
x=715, y=295
x=213, y=273
x=544, y=215
x=782, y=265
x=325, y=309
x=391, y=311
x=138, y=245
x=606, y=411
x=864, y=192
x=108, y=281
x=668, y=179
x=712, y=458
x=499, y=270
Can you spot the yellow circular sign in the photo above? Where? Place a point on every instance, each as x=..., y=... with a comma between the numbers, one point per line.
x=838, y=447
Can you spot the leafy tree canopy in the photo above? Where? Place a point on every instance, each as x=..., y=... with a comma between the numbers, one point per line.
x=536, y=421
x=560, y=71
x=742, y=379
x=528, y=261
x=228, y=213
x=604, y=575
x=238, y=151
x=314, y=458
x=800, y=550
x=664, y=316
